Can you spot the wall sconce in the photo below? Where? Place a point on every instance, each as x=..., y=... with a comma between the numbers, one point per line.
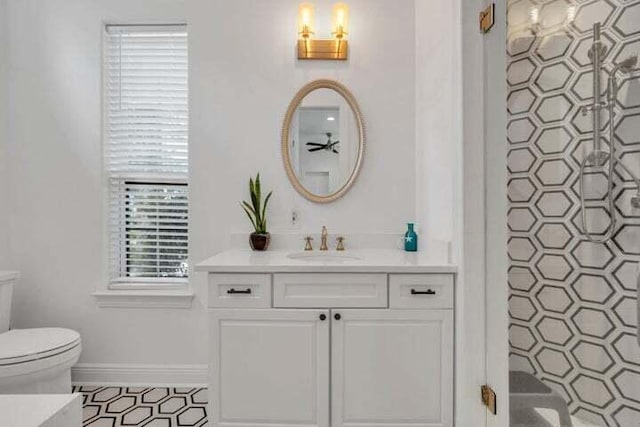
x=336, y=48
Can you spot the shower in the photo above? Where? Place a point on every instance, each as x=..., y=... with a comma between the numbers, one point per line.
x=599, y=157
x=573, y=160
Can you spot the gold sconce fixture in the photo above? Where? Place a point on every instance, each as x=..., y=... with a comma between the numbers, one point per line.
x=337, y=48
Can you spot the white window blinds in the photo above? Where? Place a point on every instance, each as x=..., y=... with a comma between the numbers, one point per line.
x=146, y=152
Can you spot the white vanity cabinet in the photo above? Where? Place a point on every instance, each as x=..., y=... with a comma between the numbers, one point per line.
x=331, y=349
x=392, y=368
x=269, y=368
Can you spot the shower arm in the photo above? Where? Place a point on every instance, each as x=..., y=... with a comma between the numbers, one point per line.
x=597, y=51
x=598, y=157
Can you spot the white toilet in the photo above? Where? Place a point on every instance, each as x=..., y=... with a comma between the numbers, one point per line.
x=33, y=361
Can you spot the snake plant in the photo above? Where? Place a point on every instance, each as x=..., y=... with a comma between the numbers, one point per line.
x=256, y=210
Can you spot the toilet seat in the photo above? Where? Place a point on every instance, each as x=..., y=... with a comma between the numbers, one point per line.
x=28, y=350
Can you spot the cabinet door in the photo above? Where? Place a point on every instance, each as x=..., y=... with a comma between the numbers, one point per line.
x=392, y=368
x=269, y=367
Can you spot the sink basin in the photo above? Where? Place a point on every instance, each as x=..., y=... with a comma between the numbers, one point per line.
x=327, y=257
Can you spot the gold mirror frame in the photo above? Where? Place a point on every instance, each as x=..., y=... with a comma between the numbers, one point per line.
x=286, y=157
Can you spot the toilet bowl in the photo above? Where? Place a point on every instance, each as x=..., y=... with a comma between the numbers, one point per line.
x=33, y=361
x=37, y=361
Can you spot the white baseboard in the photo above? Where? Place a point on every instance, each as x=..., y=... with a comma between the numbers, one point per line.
x=140, y=375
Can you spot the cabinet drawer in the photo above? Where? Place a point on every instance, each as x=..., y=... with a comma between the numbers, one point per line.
x=421, y=291
x=326, y=290
x=240, y=290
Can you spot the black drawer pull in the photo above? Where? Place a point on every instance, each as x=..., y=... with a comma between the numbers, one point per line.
x=427, y=292
x=236, y=292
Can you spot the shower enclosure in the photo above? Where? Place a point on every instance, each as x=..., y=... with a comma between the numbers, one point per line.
x=574, y=212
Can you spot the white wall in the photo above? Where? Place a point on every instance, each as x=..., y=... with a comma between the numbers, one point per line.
x=4, y=176
x=243, y=75
x=56, y=202
x=437, y=129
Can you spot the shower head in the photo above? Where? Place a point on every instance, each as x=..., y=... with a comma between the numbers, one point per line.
x=627, y=66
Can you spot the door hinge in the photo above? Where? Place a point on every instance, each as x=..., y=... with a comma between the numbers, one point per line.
x=487, y=18
x=489, y=399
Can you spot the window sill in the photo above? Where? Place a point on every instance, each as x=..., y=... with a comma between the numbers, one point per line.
x=144, y=299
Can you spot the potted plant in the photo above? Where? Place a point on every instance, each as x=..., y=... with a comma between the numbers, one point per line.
x=257, y=213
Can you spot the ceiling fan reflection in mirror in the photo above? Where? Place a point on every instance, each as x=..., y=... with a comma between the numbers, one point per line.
x=329, y=146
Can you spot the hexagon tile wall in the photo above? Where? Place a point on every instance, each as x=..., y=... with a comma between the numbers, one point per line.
x=572, y=302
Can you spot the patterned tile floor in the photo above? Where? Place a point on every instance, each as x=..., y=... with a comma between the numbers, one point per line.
x=169, y=407
x=140, y=406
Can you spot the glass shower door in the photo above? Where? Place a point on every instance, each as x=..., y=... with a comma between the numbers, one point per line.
x=574, y=216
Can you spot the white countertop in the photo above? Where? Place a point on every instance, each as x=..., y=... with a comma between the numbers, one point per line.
x=50, y=410
x=371, y=261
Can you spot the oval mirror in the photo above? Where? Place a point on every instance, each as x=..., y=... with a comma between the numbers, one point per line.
x=323, y=141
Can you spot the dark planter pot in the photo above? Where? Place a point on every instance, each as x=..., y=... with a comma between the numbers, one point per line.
x=259, y=242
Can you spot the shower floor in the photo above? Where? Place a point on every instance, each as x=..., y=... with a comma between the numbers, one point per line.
x=552, y=418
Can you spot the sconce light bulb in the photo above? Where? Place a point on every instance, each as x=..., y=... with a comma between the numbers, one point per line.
x=340, y=20
x=305, y=19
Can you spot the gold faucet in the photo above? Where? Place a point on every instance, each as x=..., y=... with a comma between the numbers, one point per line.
x=307, y=246
x=323, y=241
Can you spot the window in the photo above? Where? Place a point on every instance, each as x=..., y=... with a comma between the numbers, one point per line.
x=146, y=154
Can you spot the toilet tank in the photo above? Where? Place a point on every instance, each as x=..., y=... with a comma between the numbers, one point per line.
x=7, y=281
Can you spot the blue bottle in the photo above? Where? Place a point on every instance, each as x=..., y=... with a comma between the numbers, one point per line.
x=410, y=239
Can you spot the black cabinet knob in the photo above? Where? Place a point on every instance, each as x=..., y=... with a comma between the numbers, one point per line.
x=323, y=317
x=337, y=316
